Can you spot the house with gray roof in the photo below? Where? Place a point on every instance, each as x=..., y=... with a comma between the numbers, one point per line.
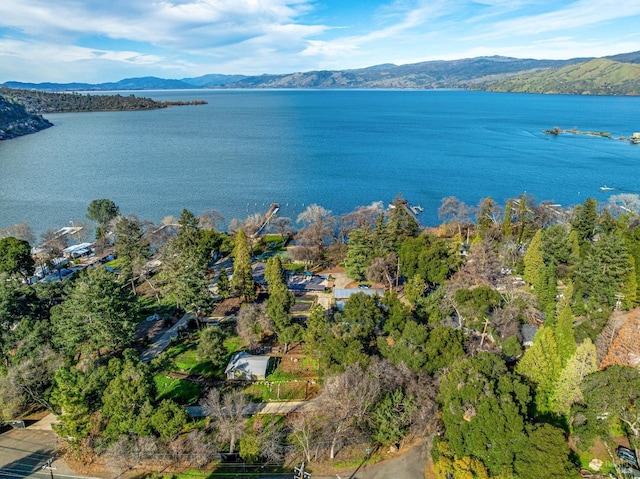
x=247, y=367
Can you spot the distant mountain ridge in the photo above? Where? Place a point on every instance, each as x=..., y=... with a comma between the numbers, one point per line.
x=616, y=75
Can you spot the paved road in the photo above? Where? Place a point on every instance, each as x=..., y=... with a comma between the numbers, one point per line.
x=265, y=408
x=23, y=452
x=163, y=342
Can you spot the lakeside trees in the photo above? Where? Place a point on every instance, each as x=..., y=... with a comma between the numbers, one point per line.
x=447, y=326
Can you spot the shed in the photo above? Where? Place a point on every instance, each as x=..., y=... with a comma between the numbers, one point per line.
x=78, y=250
x=341, y=295
x=247, y=367
x=346, y=293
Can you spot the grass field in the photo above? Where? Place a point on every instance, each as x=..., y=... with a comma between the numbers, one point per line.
x=180, y=390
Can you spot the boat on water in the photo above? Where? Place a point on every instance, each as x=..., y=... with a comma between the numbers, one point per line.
x=606, y=188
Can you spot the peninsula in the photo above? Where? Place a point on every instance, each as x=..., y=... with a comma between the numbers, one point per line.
x=20, y=110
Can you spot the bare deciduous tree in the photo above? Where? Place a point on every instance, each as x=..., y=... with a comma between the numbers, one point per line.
x=348, y=398
x=384, y=270
x=227, y=413
x=200, y=449
x=208, y=220
x=20, y=231
x=281, y=225
x=318, y=230
x=252, y=323
x=305, y=432
x=454, y=211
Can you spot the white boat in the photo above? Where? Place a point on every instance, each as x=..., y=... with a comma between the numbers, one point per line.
x=606, y=188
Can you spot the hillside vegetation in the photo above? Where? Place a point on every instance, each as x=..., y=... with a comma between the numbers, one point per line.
x=600, y=76
x=48, y=102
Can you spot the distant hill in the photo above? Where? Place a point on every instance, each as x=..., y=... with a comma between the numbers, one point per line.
x=212, y=80
x=425, y=75
x=15, y=121
x=614, y=75
x=600, y=76
x=143, y=83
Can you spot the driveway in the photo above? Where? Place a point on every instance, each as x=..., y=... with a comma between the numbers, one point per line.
x=163, y=342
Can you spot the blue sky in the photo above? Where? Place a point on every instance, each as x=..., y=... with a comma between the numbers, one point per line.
x=107, y=40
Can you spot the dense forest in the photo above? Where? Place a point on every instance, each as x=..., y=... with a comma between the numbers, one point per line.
x=495, y=338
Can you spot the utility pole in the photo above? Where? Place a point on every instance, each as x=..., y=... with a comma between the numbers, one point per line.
x=300, y=474
x=484, y=331
x=48, y=465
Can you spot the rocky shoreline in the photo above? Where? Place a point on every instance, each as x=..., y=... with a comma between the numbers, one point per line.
x=15, y=121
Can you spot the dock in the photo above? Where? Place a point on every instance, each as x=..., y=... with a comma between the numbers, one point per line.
x=264, y=221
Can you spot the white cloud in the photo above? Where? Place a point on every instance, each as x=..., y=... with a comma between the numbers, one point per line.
x=579, y=14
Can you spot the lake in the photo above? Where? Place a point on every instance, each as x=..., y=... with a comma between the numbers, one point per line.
x=337, y=148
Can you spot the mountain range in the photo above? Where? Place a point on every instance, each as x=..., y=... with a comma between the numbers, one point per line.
x=613, y=75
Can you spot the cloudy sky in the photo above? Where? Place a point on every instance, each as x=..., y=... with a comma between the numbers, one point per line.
x=107, y=40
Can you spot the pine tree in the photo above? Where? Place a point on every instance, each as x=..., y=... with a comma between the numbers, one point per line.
x=534, y=262
x=564, y=335
x=630, y=286
x=507, y=221
x=224, y=287
x=567, y=390
x=274, y=272
x=242, y=281
x=541, y=365
x=584, y=221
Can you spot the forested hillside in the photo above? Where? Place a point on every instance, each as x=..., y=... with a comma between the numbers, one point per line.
x=48, y=102
x=483, y=338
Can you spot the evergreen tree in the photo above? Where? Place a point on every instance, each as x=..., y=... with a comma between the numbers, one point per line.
x=584, y=221
x=484, y=409
x=131, y=247
x=541, y=365
x=603, y=271
x=507, y=220
x=126, y=402
x=359, y=254
x=242, y=281
x=534, y=262
x=98, y=313
x=15, y=257
x=211, y=346
x=279, y=307
x=567, y=390
x=564, y=335
x=274, y=272
x=71, y=404
x=224, y=286
x=630, y=286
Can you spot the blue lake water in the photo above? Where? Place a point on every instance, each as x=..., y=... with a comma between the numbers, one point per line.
x=340, y=149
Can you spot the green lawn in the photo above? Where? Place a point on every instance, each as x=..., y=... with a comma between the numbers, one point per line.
x=180, y=390
x=279, y=391
x=184, y=357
